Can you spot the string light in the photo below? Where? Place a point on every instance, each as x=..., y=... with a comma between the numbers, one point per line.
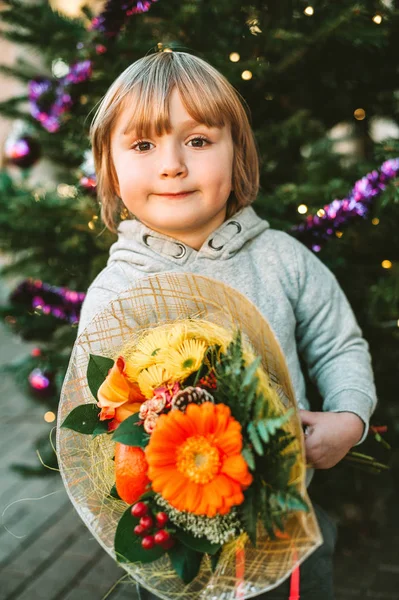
x=359, y=114
x=234, y=57
x=321, y=212
x=309, y=11
x=386, y=264
x=254, y=26
x=377, y=19
x=302, y=209
x=66, y=191
x=59, y=68
x=49, y=417
x=246, y=75
x=339, y=234
x=375, y=221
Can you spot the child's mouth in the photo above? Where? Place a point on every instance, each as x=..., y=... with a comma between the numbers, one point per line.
x=178, y=195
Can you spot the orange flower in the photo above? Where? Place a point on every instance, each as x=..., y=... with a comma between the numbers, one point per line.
x=195, y=461
x=118, y=398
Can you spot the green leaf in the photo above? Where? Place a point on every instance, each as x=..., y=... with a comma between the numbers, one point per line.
x=249, y=457
x=128, y=546
x=130, y=433
x=147, y=495
x=185, y=561
x=255, y=439
x=249, y=513
x=250, y=372
x=250, y=394
x=290, y=501
x=114, y=492
x=268, y=427
x=97, y=371
x=102, y=427
x=200, y=544
x=83, y=419
x=215, y=560
x=263, y=430
x=268, y=520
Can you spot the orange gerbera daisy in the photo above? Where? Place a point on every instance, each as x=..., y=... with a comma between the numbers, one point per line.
x=118, y=398
x=195, y=460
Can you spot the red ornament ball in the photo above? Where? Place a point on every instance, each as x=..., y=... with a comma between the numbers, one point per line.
x=41, y=382
x=23, y=152
x=88, y=183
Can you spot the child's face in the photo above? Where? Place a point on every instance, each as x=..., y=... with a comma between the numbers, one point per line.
x=177, y=183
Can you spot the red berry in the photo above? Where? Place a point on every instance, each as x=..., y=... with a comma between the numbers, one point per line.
x=148, y=542
x=162, y=518
x=147, y=522
x=161, y=537
x=168, y=544
x=139, y=530
x=139, y=509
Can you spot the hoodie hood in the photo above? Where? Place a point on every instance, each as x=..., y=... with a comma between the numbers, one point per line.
x=146, y=248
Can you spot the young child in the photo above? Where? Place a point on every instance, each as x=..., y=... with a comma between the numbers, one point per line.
x=173, y=148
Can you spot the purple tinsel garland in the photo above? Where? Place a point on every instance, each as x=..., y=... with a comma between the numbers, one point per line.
x=60, y=302
x=317, y=229
x=49, y=100
x=116, y=13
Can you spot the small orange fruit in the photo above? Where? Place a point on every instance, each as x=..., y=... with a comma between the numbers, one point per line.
x=130, y=472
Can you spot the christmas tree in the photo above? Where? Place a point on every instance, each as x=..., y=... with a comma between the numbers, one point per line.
x=321, y=84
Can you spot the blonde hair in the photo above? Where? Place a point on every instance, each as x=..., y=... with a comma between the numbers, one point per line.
x=207, y=96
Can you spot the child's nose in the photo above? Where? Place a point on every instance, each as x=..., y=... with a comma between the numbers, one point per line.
x=173, y=164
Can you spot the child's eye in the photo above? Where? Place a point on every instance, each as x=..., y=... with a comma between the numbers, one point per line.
x=199, y=142
x=141, y=146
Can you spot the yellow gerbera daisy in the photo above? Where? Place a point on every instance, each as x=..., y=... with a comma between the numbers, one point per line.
x=185, y=359
x=145, y=352
x=177, y=333
x=151, y=378
x=153, y=342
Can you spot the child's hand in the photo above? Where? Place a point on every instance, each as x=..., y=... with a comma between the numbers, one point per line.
x=329, y=436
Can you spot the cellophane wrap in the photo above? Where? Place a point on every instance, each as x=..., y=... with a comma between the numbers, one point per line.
x=86, y=463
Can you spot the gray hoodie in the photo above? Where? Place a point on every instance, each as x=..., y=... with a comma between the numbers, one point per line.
x=296, y=293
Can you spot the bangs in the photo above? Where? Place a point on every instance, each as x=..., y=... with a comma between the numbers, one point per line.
x=149, y=99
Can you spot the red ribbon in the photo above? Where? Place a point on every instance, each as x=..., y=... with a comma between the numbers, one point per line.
x=294, y=587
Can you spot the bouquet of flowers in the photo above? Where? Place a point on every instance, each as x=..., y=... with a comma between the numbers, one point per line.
x=191, y=469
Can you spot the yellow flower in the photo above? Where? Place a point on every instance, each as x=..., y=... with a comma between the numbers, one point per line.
x=153, y=342
x=177, y=334
x=185, y=359
x=146, y=352
x=151, y=378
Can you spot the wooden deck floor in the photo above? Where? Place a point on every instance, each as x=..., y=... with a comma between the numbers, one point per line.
x=46, y=552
